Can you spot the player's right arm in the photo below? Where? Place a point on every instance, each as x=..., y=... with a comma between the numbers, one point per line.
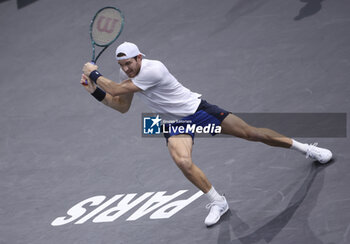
x=120, y=103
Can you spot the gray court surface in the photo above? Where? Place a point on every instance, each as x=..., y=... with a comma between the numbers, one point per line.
x=64, y=156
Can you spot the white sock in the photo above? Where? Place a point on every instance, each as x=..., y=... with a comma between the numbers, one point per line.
x=213, y=195
x=301, y=147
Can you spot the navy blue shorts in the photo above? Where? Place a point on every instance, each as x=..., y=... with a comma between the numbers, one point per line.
x=206, y=114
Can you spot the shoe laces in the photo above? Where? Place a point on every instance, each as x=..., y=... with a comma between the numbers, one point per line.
x=215, y=203
x=312, y=150
x=209, y=205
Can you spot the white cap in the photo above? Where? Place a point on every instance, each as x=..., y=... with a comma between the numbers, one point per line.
x=129, y=49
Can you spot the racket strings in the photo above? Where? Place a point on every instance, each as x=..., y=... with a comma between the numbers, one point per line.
x=106, y=26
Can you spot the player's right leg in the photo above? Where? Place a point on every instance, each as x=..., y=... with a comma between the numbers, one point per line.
x=180, y=149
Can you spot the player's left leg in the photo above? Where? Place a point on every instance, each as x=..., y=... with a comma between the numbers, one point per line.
x=235, y=126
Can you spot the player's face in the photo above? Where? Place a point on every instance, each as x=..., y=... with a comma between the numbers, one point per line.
x=131, y=66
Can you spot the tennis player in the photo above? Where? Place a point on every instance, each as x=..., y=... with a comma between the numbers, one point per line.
x=163, y=93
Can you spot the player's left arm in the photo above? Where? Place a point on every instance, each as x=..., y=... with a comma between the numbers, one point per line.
x=117, y=89
x=111, y=87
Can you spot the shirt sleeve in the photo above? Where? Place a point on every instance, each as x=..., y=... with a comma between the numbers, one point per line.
x=149, y=76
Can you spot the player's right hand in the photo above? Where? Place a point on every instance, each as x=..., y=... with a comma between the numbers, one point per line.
x=88, y=84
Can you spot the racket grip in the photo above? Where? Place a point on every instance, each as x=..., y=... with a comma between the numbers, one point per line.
x=86, y=82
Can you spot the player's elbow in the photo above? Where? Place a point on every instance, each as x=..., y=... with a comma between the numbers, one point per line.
x=123, y=108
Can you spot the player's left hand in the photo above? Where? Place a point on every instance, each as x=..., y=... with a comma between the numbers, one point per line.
x=88, y=68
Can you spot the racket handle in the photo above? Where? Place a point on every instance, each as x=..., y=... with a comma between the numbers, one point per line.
x=86, y=82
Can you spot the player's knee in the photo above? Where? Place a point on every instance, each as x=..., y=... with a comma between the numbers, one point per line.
x=251, y=133
x=258, y=134
x=184, y=162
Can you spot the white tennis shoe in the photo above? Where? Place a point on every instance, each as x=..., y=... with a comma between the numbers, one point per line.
x=217, y=209
x=322, y=155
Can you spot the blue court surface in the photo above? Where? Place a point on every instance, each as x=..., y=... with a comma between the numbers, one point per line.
x=75, y=171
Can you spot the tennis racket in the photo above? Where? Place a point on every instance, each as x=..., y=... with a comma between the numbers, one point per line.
x=105, y=28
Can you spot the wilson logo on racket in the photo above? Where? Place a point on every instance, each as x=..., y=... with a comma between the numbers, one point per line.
x=106, y=24
x=105, y=28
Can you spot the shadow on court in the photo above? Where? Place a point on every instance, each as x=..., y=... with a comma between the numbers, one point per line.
x=234, y=230
x=240, y=9
x=310, y=8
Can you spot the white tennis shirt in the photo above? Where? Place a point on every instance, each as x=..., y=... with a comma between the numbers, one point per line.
x=161, y=91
